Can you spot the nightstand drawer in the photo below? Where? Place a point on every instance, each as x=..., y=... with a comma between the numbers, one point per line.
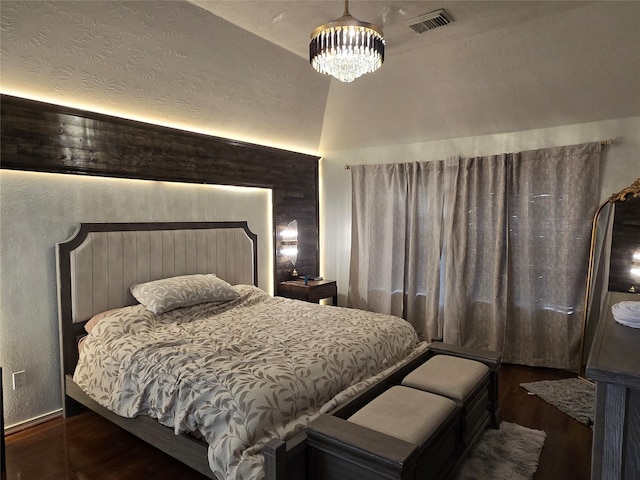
x=322, y=291
x=314, y=291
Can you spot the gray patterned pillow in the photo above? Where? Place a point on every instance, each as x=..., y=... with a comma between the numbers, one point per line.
x=162, y=295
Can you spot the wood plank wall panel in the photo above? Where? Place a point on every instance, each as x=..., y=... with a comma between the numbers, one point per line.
x=43, y=137
x=625, y=241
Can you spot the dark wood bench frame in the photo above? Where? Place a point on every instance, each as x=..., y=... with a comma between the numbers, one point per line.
x=299, y=458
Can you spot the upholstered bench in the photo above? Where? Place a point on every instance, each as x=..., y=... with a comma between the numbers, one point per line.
x=416, y=423
x=405, y=413
x=462, y=380
x=404, y=433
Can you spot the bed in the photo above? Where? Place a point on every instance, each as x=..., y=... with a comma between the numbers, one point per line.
x=261, y=367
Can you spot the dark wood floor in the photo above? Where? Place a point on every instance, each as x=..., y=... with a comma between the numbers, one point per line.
x=86, y=447
x=566, y=454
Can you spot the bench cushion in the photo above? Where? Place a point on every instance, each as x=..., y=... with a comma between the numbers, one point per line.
x=405, y=413
x=450, y=376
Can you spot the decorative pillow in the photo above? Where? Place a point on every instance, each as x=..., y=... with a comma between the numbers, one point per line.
x=96, y=319
x=160, y=296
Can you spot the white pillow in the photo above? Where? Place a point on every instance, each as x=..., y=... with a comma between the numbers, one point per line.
x=162, y=295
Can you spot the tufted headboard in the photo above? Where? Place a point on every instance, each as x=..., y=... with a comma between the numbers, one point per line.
x=96, y=267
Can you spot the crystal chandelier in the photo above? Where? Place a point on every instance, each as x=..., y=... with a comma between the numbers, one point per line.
x=346, y=48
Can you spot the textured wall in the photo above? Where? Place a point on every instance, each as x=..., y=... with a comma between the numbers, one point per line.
x=41, y=137
x=167, y=62
x=38, y=210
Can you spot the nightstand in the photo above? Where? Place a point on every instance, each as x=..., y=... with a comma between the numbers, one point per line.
x=313, y=292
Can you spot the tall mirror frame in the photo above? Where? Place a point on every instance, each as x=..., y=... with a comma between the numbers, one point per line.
x=598, y=273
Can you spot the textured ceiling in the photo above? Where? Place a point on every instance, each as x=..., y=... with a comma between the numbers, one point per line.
x=239, y=68
x=289, y=23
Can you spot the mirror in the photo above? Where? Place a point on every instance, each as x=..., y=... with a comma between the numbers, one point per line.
x=614, y=258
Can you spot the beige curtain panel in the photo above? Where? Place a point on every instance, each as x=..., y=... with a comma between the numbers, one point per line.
x=489, y=252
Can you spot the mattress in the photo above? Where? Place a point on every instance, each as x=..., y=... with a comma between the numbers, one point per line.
x=241, y=372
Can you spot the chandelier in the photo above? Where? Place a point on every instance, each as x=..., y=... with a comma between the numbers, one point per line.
x=346, y=48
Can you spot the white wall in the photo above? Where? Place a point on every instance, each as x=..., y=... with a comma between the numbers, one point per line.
x=620, y=167
x=37, y=210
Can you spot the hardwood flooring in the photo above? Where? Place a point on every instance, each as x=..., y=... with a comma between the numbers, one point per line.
x=566, y=454
x=87, y=447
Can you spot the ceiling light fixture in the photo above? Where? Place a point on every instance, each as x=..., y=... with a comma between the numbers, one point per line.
x=346, y=48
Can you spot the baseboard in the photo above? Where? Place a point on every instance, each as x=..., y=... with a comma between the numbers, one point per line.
x=17, y=427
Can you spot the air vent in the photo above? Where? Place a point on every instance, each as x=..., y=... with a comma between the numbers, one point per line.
x=429, y=21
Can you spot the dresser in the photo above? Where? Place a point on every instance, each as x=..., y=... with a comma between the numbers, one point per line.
x=614, y=366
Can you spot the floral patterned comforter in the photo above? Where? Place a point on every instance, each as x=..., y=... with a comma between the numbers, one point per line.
x=239, y=373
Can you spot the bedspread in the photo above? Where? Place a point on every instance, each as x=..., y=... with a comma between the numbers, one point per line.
x=239, y=373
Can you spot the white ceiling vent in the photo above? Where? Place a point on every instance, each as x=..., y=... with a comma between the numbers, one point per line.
x=429, y=21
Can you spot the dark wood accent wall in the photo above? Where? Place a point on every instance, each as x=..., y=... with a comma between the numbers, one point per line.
x=625, y=241
x=43, y=137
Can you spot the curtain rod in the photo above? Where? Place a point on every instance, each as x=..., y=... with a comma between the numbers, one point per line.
x=604, y=143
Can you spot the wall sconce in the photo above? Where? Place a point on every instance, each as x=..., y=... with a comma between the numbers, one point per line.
x=289, y=244
x=635, y=264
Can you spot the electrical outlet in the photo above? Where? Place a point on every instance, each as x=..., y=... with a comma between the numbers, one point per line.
x=19, y=379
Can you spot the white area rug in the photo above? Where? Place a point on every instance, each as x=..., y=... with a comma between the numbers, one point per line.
x=510, y=453
x=573, y=396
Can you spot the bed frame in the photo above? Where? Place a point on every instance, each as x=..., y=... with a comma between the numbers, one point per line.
x=95, y=269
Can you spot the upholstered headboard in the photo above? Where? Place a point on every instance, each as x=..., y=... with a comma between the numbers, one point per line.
x=101, y=261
